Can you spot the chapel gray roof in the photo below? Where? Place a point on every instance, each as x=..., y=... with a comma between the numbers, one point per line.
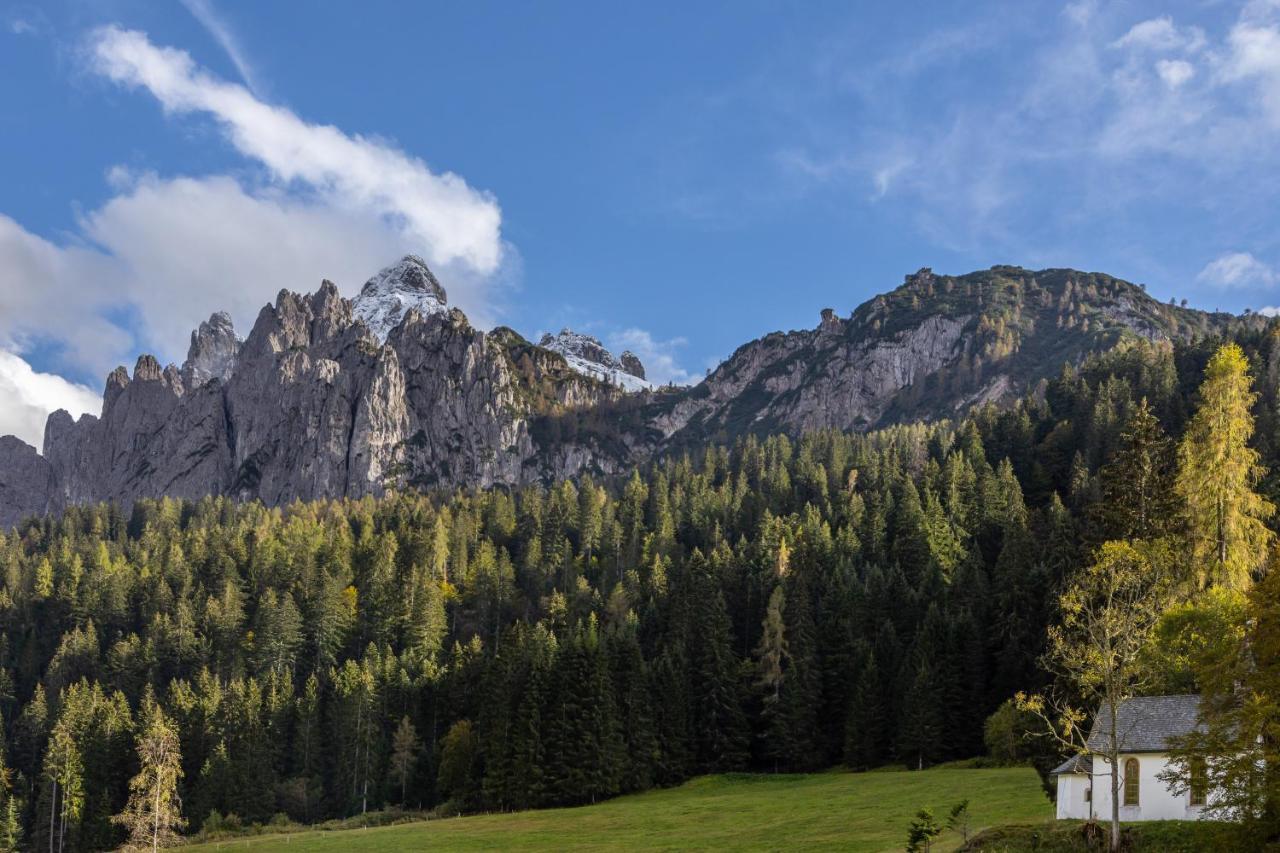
x=1145, y=723
x=1075, y=764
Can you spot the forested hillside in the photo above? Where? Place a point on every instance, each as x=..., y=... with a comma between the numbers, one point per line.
x=777, y=604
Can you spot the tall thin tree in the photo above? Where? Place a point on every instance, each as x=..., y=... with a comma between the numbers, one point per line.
x=153, y=814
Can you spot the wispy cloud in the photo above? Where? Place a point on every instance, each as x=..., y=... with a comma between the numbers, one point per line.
x=1098, y=113
x=25, y=19
x=1161, y=35
x=456, y=223
x=1237, y=269
x=217, y=27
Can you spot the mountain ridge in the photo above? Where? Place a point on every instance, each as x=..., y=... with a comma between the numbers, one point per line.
x=330, y=397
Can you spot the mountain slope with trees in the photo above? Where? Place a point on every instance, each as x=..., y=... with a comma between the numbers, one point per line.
x=331, y=398
x=777, y=604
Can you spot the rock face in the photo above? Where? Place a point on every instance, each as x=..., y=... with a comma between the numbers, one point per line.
x=631, y=364
x=328, y=397
x=325, y=398
x=213, y=352
x=933, y=347
x=24, y=481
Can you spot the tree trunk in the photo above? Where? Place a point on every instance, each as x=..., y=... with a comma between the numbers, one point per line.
x=155, y=819
x=53, y=809
x=1114, y=749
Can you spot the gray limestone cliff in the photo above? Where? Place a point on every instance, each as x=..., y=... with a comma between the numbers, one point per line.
x=314, y=403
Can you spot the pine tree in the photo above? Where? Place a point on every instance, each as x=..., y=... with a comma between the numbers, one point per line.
x=525, y=787
x=773, y=657
x=921, y=729
x=153, y=814
x=635, y=708
x=404, y=755
x=1139, y=499
x=1217, y=474
x=802, y=687
x=459, y=774
x=11, y=832
x=719, y=725
x=865, y=728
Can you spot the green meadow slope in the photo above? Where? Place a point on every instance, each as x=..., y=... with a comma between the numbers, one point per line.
x=837, y=810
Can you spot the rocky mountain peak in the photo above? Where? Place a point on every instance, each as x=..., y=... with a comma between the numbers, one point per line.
x=631, y=363
x=309, y=408
x=213, y=352
x=587, y=355
x=117, y=381
x=387, y=297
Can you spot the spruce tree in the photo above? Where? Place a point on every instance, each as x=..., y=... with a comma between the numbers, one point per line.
x=773, y=658
x=865, y=731
x=720, y=728
x=1139, y=499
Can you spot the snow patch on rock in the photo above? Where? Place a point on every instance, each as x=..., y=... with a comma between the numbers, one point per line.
x=586, y=355
x=386, y=298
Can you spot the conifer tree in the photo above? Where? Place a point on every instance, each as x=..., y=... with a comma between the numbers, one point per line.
x=773, y=657
x=802, y=687
x=635, y=708
x=526, y=763
x=404, y=755
x=865, y=728
x=1217, y=473
x=921, y=728
x=1139, y=499
x=719, y=726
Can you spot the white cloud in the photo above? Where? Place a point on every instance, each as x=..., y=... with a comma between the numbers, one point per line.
x=170, y=252
x=1160, y=35
x=1237, y=269
x=29, y=397
x=455, y=223
x=1254, y=56
x=144, y=268
x=203, y=11
x=21, y=27
x=658, y=356
x=1175, y=72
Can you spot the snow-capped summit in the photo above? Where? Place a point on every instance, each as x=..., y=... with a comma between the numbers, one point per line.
x=588, y=356
x=388, y=296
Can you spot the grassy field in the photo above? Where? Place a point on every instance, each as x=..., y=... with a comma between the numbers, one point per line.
x=837, y=810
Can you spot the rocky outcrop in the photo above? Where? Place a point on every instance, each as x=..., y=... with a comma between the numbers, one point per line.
x=328, y=397
x=631, y=363
x=213, y=352
x=25, y=481
x=933, y=347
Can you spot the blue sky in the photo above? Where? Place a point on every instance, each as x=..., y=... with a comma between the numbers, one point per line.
x=676, y=178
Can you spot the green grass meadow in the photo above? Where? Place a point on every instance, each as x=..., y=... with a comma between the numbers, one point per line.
x=824, y=811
